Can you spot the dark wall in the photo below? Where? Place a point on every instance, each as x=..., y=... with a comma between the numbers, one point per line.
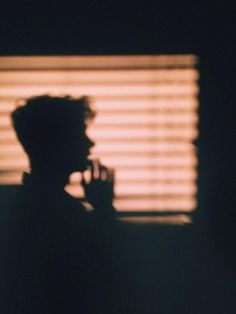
x=150, y=28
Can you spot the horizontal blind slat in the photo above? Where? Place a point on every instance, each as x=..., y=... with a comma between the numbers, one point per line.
x=83, y=76
x=96, y=62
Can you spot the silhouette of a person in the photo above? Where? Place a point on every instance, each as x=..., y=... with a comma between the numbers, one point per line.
x=52, y=131
x=55, y=253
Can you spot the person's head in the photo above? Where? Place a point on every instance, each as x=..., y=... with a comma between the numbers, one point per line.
x=52, y=131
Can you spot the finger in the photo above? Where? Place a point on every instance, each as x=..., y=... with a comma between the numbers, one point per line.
x=86, y=176
x=111, y=174
x=104, y=173
x=95, y=173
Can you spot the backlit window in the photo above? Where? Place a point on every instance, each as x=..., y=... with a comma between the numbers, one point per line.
x=145, y=125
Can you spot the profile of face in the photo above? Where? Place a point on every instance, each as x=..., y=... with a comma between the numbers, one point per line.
x=74, y=149
x=52, y=131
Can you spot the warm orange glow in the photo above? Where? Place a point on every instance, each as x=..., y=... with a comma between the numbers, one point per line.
x=13, y=164
x=5, y=121
x=170, y=147
x=162, y=174
x=145, y=189
x=187, y=118
x=150, y=161
x=157, y=204
x=10, y=177
x=176, y=220
x=97, y=62
x=146, y=119
x=8, y=136
x=151, y=133
x=145, y=125
x=64, y=76
x=78, y=90
x=163, y=103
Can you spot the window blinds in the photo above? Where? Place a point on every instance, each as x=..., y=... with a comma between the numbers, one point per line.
x=145, y=126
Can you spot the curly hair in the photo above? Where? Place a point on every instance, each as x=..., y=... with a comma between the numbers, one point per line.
x=43, y=120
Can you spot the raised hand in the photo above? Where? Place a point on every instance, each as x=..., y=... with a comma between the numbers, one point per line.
x=99, y=188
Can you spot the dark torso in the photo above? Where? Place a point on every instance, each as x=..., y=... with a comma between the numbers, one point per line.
x=51, y=257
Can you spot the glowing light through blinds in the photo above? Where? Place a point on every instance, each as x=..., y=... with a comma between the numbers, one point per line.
x=145, y=127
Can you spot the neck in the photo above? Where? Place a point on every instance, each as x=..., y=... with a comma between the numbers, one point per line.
x=48, y=177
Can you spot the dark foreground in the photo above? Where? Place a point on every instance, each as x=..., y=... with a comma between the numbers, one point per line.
x=173, y=269
x=133, y=268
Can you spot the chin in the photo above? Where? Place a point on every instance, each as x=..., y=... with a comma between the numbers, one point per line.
x=81, y=166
